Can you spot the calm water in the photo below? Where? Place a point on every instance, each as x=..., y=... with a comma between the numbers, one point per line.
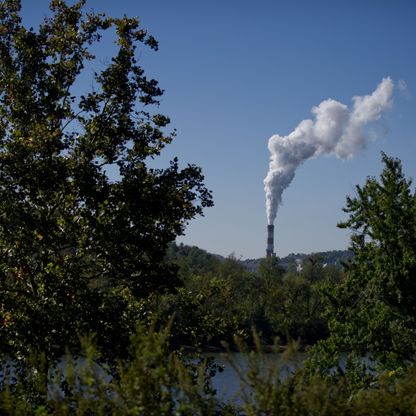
x=232, y=380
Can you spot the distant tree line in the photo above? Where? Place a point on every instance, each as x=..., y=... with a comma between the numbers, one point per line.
x=331, y=257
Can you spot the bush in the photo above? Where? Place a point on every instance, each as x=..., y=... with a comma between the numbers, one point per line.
x=156, y=381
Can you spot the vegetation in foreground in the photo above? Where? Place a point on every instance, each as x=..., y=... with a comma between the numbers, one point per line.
x=83, y=255
x=157, y=381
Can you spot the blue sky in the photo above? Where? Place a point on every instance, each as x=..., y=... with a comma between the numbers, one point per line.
x=237, y=72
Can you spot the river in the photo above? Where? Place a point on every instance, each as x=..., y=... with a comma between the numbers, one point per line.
x=232, y=381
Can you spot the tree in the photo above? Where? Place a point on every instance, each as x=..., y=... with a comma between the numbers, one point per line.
x=79, y=251
x=373, y=311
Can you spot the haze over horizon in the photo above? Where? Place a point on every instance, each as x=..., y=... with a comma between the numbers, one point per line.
x=235, y=73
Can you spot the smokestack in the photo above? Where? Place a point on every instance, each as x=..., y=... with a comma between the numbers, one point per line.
x=270, y=242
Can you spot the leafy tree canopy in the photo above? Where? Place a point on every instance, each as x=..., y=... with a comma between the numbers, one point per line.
x=79, y=251
x=373, y=311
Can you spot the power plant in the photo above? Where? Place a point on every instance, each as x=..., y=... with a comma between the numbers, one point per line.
x=270, y=241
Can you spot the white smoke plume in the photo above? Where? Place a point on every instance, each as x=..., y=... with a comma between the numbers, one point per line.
x=336, y=130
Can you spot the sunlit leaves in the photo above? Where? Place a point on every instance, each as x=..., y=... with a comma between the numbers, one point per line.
x=81, y=249
x=373, y=312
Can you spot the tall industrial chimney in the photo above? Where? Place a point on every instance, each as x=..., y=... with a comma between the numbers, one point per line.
x=270, y=242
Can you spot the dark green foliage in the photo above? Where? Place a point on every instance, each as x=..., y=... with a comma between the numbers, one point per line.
x=294, y=305
x=220, y=299
x=319, y=397
x=373, y=311
x=150, y=381
x=204, y=309
x=80, y=253
x=154, y=381
x=191, y=260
